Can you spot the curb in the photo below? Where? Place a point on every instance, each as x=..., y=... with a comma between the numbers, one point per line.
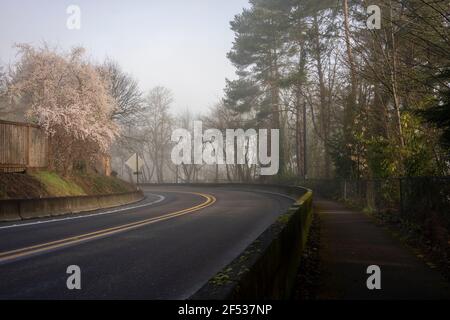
x=23, y=209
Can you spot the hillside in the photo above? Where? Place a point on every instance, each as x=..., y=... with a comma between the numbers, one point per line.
x=50, y=184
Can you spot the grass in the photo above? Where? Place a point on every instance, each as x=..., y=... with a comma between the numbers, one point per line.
x=81, y=184
x=222, y=278
x=98, y=184
x=284, y=218
x=58, y=186
x=42, y=184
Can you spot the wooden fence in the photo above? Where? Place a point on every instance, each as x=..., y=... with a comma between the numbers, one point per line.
x=22, y=146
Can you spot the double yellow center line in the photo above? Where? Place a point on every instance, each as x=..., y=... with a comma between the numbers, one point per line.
x=19, y=253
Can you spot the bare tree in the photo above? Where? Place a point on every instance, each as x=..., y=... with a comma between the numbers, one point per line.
x=157, y=128
x=189, y=172
x=125, y=91
x=2, y=91
x=13, y=111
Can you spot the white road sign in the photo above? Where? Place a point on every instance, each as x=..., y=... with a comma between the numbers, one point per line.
x=135, y=163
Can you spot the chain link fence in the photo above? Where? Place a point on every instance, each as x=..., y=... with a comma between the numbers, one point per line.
x=423, y=202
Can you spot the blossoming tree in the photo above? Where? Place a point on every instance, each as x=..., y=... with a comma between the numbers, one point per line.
x=66, y=96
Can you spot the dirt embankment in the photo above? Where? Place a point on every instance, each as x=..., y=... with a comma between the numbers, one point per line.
x=16, y=185
x=49, y=184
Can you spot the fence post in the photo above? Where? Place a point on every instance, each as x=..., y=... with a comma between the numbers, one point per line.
x=28, y=148
x=49, y=152
x=401, y=196
x=345, y=189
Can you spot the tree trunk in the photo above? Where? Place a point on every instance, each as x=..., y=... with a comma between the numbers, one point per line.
x=323, y=97
x=393, y=75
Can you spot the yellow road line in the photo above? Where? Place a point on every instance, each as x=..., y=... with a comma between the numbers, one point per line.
x=8, y=255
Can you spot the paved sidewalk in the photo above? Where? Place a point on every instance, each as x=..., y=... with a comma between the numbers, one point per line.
x=350, y=242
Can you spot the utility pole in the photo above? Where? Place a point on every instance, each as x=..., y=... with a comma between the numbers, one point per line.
x=133, y=163
x=305, y=165
x=137, y=170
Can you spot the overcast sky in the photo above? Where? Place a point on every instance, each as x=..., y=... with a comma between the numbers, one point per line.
x=180, y=44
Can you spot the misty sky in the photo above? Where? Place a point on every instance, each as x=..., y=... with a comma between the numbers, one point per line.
x=180, y=44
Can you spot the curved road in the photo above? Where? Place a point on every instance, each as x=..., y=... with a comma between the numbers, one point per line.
x=164, y=247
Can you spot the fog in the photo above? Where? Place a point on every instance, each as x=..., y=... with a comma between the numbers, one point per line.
x=181, y=45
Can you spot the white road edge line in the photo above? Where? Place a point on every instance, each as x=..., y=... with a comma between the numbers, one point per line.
x=160, y=198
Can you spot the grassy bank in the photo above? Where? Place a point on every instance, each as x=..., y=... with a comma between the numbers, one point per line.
x=50, y=184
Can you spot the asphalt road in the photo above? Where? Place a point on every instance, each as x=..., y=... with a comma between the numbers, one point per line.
x=165, y=247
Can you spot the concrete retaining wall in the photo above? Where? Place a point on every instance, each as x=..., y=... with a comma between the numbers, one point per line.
x=21, y=209
x=267, y=268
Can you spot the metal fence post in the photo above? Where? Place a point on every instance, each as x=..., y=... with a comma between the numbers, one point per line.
x=401, y=196
x=345, y=189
